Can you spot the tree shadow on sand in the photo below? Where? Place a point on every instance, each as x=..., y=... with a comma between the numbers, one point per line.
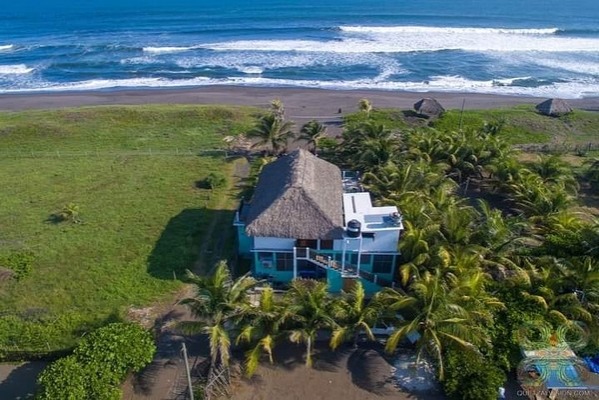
x=21, y=381
x=371, y=370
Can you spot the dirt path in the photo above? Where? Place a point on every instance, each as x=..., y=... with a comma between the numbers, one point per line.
x=211, y=249
x=165, y=378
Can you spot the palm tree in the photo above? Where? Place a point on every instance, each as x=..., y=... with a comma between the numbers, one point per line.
x=365, y=106
x=540, y=282
x=261, y=326
x=438, y=318
x=536, y=198
x=272, y=133
x=218, y=301
x=399, y=180
x=552, y=169
x=354, y=315
x=311, y=132
x=310, y=305
x=277, y=108
x=592, y=172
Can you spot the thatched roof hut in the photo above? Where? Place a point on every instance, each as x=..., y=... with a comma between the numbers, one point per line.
x=429, y=107
x=297, y=196
x=554, y=107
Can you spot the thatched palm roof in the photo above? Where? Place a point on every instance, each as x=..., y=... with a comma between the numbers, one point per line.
x=297, y=196
x=554, y=107
x=429, y=107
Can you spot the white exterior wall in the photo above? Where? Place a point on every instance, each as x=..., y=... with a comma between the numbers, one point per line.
x=273, y=243
x=383, y=241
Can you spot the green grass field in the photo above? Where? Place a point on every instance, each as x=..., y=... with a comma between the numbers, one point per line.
x=523, y=125
x=143, y=213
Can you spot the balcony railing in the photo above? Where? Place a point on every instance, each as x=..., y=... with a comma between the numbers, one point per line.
x=347, y=271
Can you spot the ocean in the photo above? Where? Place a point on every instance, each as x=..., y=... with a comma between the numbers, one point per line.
x=547, y=48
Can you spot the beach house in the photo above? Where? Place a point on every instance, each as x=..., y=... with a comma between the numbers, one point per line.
x=308, y=219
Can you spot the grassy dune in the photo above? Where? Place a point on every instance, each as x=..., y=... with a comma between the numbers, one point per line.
x=143, y=214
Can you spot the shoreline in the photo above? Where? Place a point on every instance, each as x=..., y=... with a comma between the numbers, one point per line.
x=300, y=103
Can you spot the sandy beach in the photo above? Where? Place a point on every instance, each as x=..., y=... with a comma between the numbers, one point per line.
x=300, y=103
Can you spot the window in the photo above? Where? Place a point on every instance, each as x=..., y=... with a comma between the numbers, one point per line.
x=326, y=245
x=364, y=259
x=265, y=260
x=382, y=264
x=284, y=261
x=313, y=244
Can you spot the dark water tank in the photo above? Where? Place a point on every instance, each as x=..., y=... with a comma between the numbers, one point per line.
x=354, y=227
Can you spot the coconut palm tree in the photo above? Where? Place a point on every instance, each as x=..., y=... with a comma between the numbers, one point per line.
x=261, y=326
x=552, y=169
x=540, y=284
x=311, y=132
x=439, y=319
x=365, y=106
x=272, y=133
x=397, y=180
x=277, y=108
x=592, y=172
x=536, y=198
x=217, y=303
x=310, y=305
x=354, y=315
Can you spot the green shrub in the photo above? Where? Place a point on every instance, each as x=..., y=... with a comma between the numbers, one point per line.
x=63, y=379
x=19, y=262
x=98, y=365
x=216, y=180
x=69, y=379
x=469, y=376
x=120, y=347
x=68, y=213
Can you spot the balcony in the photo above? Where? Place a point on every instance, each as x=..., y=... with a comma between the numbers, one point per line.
x=323, y=260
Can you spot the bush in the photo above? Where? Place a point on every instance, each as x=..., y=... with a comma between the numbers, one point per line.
x=469, y=376
x=98, y=365
x=119, y=347
x=63, y=379
x=69, y=213
x=215, y=180
x=18, y=262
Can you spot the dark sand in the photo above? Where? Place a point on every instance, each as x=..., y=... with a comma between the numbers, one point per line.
x=298, y=102
x=347, y=374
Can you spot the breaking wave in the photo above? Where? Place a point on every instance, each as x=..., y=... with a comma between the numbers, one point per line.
x=508, y=86
x=17, y=69
x=447, y=30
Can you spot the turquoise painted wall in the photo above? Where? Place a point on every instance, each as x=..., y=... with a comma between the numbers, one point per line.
x=334, y=281
x=244, y=243
x=259, y=270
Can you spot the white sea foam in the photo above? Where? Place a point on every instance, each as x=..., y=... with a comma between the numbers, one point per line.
x=446, y=30
x=166, y=50
x=577, y=65
x=16, y=69
x=6, y=47
x=250, y=69
x=420, y=41
x=572, y=89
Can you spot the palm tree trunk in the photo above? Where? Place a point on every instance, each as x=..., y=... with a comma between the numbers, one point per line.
x=309, y=352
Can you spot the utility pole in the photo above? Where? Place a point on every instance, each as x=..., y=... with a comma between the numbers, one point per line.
x=184, y=349
x=462, y=113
